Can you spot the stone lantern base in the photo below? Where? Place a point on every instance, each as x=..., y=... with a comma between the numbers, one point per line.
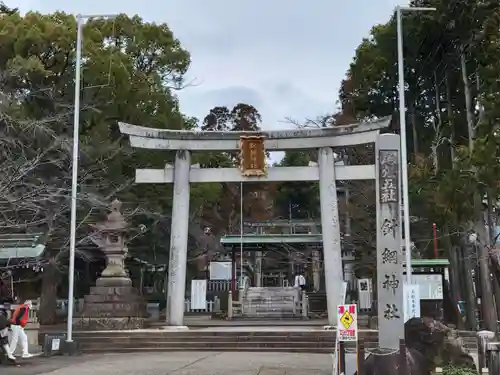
x=112, y=307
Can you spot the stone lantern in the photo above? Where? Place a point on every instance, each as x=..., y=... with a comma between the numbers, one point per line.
x=113, y=303
x=110, y=237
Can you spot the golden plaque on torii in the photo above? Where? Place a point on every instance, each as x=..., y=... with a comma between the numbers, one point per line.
x=253, y=156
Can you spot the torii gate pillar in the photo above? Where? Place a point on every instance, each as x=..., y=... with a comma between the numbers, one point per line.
x=178, y=240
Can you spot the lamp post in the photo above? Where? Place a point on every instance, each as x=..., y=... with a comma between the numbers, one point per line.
x=74, y=176
x=241, y=238
x=402, y=122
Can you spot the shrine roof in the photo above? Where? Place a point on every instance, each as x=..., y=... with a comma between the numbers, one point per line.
x=20, y=246
x=430, y=262
x=271, y=239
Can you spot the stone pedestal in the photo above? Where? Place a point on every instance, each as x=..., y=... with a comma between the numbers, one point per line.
x=112, y=307
x=113, y=304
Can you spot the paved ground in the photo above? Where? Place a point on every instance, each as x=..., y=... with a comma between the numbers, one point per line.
x=181, y=363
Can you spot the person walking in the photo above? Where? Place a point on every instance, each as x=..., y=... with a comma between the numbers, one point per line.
x=300, y=281
x=18, y=322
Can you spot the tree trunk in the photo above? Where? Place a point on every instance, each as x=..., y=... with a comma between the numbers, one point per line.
x=488, y=313
x=478, y=101
x=468, y=101
x=496, y=288
x=455, y=289
x=492, y=243
x=491, y=220
x=413, y=118
x=449, y=110
x=48, y=298
x=479, y=227
x=470, y=299
x=437, y=127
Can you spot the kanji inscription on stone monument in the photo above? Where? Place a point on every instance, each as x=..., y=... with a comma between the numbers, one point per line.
x=253, y=156
x=388, y=176
x=389, y=252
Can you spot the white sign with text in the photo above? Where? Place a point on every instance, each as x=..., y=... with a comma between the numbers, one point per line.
x=198, y=294
x=412, y=301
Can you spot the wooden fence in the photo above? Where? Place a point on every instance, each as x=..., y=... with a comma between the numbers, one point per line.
x=212, y=306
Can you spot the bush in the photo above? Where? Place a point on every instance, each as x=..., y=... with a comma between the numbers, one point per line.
x=451, y=370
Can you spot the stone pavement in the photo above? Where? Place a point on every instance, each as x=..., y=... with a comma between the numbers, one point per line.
x=181, y=363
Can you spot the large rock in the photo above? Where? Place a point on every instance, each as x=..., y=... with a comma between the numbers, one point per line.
x=429, y=344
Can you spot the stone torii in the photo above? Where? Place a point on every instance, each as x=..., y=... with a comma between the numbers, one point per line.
x=253, y=145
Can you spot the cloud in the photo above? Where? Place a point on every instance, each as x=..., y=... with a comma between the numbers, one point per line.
x=198, y=102
x=272, y=100
x=285, y=57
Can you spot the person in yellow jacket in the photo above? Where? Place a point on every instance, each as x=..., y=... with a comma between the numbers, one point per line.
x=18, y=322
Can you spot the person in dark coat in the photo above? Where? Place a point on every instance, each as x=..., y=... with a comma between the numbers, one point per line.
x=4, y=334
x=5, y=295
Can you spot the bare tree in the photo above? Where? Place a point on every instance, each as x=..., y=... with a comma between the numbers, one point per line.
x=35, y=190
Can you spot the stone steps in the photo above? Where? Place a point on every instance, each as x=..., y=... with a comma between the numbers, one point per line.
x=313, y=341
x=284, y=332
x=212, y=349
x=268, y=309
x=271, y=302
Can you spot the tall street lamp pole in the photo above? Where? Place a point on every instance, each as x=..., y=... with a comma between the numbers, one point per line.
x=402, y=122
x=80, y=19
x=241, y=239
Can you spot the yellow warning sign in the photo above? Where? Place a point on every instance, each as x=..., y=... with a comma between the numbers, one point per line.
x=346, y=320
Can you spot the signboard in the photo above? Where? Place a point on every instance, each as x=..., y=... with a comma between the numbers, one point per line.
x=220, y=270
x=53, y=344
x=56, y=344
x=365, y=294
x=389, y=254
x=412, y=302
x=253, y=156
x=347, y=323
x=344, y=292
x=430, y=285
x=198, y=294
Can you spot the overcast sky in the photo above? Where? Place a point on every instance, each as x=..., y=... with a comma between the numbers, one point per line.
x=286, y=58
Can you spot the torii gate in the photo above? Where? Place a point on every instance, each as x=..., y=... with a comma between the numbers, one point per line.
x=385, y=171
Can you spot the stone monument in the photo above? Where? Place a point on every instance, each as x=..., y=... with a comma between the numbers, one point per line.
x=113, y=303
